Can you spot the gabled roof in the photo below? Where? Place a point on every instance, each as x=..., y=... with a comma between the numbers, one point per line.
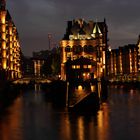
x=83, y=27
x=96, y=29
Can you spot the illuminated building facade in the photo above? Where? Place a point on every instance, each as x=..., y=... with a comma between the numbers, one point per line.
x=138, y=44
x=39, y=60
x=122, y=63
x=38, y=63
x=138, y=53
x=10, y=50
x=85, y=40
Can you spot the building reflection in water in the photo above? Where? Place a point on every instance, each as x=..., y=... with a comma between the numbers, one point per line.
x=30, y=117
x=103, y=120
x=37, y=87
x=11, y=125
x=90, y=127
x=80, y=128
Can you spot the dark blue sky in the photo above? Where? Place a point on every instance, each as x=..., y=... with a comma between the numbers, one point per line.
x=36, y=18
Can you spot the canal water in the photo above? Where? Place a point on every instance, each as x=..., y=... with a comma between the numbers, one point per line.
x=31, y=117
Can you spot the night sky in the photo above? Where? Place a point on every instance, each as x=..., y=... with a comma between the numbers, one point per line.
x=34, y=19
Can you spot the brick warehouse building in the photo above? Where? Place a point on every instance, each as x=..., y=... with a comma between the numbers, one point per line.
x=122, y=63
x=10, y=51
x=88, y=40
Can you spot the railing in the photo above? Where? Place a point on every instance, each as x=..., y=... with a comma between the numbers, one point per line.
x=28, y=80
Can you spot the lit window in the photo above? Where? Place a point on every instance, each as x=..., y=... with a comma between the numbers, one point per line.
x=73, y=66
x=78, y=66
x=89, y=66
x=85, y=66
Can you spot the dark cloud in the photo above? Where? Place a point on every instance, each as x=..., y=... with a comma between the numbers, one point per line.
x=35, y=19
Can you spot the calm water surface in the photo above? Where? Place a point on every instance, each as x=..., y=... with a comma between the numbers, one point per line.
x=30, y=117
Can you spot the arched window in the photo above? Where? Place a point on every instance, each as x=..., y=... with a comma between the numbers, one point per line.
x=77, y=49
x=89, y=49
x=68, y=49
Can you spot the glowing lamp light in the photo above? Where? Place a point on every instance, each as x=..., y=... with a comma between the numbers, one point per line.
x=109, y=48
x=3, y=19
x=4, y=65
x=84, y=74
x=80, y=87
x=92, y=88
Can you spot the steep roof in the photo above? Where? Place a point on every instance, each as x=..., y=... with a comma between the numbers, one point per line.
x=82, y=27
x=96, y=29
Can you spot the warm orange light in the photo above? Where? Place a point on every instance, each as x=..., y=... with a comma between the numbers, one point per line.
x=89, y=66
x=71, y=43
x=63, y=43
x=80, y=88
x=3, y=36
x=100, y=118
x=11, y=66
x=83, y=42
x=93, y=88
x=10, y=38
x=84, y=74
x=11, y=58
x=3, y=45
x=85, y=66
x=3, y=28
x=10, y=31
x=103, y=57
x=4, y=53
x=4, y=65
x=3, y=19
x=73, y=66
x=11, y=51
x=78, y=66
x=81, y=128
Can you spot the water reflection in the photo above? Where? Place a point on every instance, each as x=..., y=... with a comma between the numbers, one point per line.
x=30, y=117
x=103, y=120
x=11, y=123
x=37, y=87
